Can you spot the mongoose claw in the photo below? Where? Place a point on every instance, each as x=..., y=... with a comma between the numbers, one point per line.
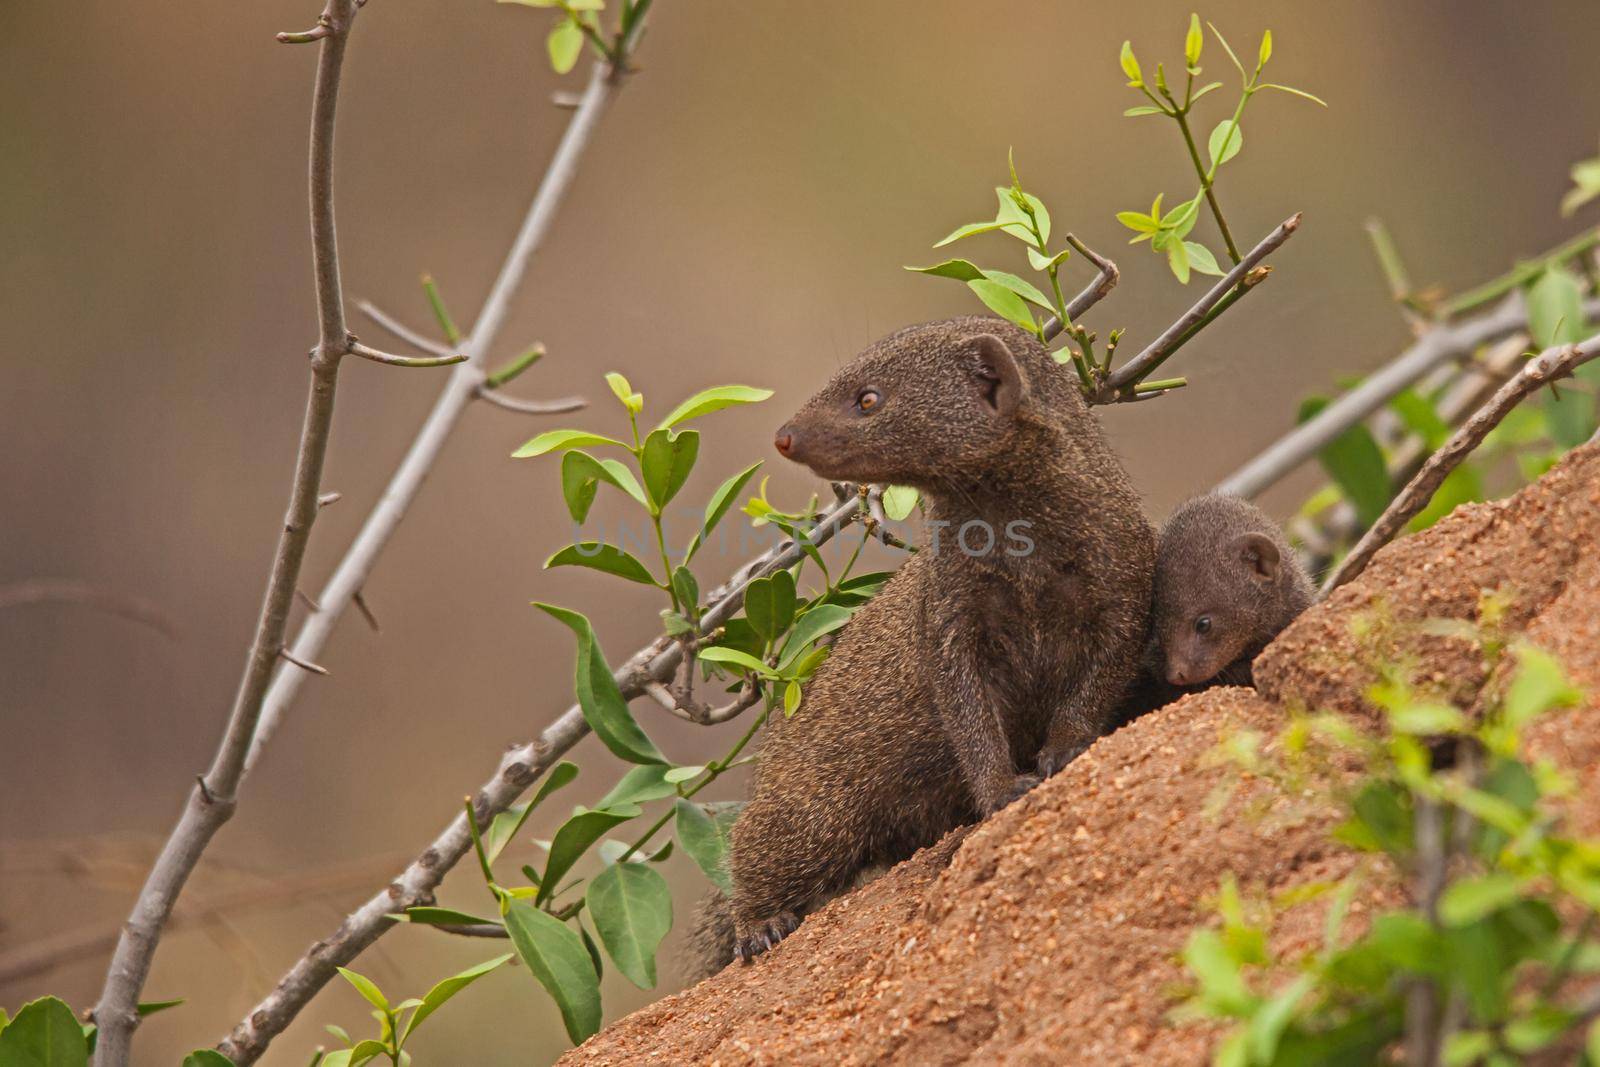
x=1052, y=760
x=766, y=935
x=1021, y=785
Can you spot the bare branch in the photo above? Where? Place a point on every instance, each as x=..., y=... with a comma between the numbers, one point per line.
x=391, y=360
x=1139, y=367
x=399, y=329
x=68, y=591
x=532, y=407
x=1547, y=367
x=1439, y=345
x=1096, y=291
x=517, y=770
x=459, y=391
x=211, y=802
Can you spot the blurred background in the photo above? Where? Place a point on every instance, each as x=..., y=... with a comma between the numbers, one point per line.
x=743, y=215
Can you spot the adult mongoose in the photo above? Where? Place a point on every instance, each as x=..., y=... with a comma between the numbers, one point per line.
x=1227, y=583
x=994, y=656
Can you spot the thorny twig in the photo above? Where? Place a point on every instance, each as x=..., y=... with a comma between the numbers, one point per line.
x=1547, y=367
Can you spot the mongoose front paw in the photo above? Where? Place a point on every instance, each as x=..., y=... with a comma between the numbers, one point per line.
x=1020, y=786
x=765, y=935
x=1052, y=759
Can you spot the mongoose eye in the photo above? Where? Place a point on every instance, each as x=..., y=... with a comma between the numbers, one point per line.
x=1202, y=625
x=868, y=400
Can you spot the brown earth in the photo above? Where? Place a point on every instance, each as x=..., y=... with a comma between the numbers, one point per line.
x=1050, y=933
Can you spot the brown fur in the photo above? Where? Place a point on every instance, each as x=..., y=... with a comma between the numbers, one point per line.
x=1223, y=559
x=968, y=677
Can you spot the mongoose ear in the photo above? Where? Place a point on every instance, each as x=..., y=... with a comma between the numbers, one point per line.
x=1257, y=552
x=999, y=377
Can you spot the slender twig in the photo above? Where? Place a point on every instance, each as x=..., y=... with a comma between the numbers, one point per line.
x=1548, y=366
x=532, y=407
x=390, y=359
x=1140, y=366
x=414, y=338
x=517, y=770
x=1093, y=293
x=68, y=591
x=1521, y=274
x=1422, y=999
x=1437, y=346
x=211, y=802
x=355, y=569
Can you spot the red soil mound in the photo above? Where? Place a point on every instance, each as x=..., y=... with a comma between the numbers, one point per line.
x=1050, y=933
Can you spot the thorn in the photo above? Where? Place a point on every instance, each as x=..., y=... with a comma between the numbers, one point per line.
x=205, y=791
x=305, y=598
x=366, y=612
x=322, y=29
x=566, y=101
x=329, y=498
x=303, y=664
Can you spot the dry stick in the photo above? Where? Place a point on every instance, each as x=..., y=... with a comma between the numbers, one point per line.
x=531, y=407
x=1140, y=366
x=517, y=769
x=1092, y=294
x=459, y=392
x=89, y=942
x=212, y=801
x=1438, y=346
x=1546, y=367
x=414, y=338
x=69, y=591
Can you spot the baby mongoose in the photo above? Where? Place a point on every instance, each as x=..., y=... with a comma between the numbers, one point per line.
x=1227, y=583
x=994, y=656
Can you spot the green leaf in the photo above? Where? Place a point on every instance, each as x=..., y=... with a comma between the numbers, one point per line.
x=715, y=399
x=1266, y=49
x=1355, y=463
x=597, y=555
x=1201, y=259
x=1017, y=222
x=367, y=988
x=557, y=959
x=959, y=269
x=1540, y=686
x=446, y=989
x=1267, y=1025
x=206, y=1057
x=1193, y=42
x=721, y=501
x=506, y=825
x=1203, y=90
x=1296, y=92
x=631, y=907
x=1470, y=899
x=1142, y=109
x=43, y=1034
x=639, y=786
x=683, y=774
x=552, y=440
x=686, y=588
x=1555, y=308
x=791, y=698
x=581, y=475
x=564, y=44
x=1417, y=412
x=1585, y=185
x=1130, y=65
x=1221, y=983
x=816, y=622
x=1425, y=719
x=667, y=460
x=425, y=915
x=1178, y=260
x=723, y=654
x=620, y=388
x=603, y=706
x=1020, y=286
x=1138, y=222
x=574, y=838
x=705, y=831
x=899, y=501
x=972, y=229
x=1003, y=302
x=769, y=604
x=1181, y=219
